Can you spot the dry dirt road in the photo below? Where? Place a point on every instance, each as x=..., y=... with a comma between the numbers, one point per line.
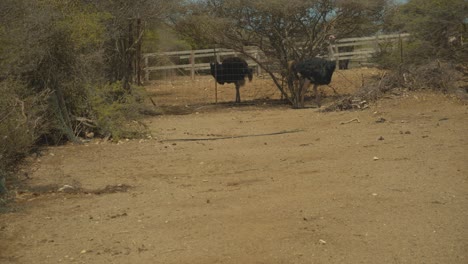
x=319, y=192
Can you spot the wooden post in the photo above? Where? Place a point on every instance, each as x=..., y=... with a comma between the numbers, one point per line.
x=259, y=69
x=218, y=59
x=401, y=47
x=147, y=73
x=138, y=52
x=376, y=43
x=192, y=61
x=129, y=55
x=216, y=75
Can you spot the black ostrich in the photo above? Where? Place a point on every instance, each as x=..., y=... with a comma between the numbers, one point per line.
x=314, y=70
x=232, y=70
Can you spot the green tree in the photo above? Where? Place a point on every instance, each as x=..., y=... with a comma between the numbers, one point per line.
x=438, y=27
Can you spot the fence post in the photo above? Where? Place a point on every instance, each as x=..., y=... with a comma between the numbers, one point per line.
x=147, y=73
x=192, y=61
x=218, y=59
x=400, y=41
x=376, y=45
x=216, y=75
x=259, y=69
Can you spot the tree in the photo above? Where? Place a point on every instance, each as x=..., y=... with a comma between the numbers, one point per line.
x=438, y=28
x=124, y=34
x=284, y=30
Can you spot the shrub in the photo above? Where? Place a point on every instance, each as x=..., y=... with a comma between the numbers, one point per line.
x=22, y=121
x=116, y=111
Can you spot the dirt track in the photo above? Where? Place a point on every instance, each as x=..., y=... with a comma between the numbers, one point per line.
x=360, y=192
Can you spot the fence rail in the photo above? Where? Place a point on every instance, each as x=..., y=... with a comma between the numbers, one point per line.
x=354, y=49
x=191, y=55
x=358, y=49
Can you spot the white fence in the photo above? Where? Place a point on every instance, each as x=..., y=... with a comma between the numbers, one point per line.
x=190, y=56
x=362, y=49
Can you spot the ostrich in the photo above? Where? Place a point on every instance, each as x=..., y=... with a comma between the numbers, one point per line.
x=232, y=70
x=314, y=70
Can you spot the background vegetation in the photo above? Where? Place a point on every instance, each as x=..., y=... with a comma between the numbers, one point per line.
x=68, y=70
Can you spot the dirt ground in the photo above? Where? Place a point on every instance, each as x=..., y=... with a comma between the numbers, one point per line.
x=255, y=183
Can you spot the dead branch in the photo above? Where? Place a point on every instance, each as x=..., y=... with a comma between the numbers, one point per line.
x=231, y=137
x=350, y=121
x=87, y=122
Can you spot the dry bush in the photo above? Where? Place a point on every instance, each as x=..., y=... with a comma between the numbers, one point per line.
x=22, y=121
x=115, y=112
x=436, y=76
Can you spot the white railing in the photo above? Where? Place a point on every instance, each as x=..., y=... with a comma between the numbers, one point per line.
x=363, y=49
x=191, y=55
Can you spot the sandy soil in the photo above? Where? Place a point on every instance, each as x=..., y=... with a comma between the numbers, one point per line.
x=257, y=183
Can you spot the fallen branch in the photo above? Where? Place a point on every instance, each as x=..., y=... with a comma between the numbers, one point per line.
x=231, y=137
x=350, y=121
x=87, y=122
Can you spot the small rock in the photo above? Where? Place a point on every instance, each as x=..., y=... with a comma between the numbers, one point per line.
x=381, y=120
x=376, y=158
x=323, y=242
x=89, y=135
x=407, y=132
x=83, y=251
x=381, y=138
x=66, y=188
x=374, y=194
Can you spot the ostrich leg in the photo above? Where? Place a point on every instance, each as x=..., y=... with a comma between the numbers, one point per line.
x=238, y=100
x=305, y=85
x=317, y=95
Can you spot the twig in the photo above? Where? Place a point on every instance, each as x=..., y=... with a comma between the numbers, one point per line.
x=231, y=137
x=333, y=89
x=350, y=121
x=152, y=101
x=87, y=122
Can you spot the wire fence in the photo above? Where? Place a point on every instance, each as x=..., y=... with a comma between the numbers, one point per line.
x=184, y=77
